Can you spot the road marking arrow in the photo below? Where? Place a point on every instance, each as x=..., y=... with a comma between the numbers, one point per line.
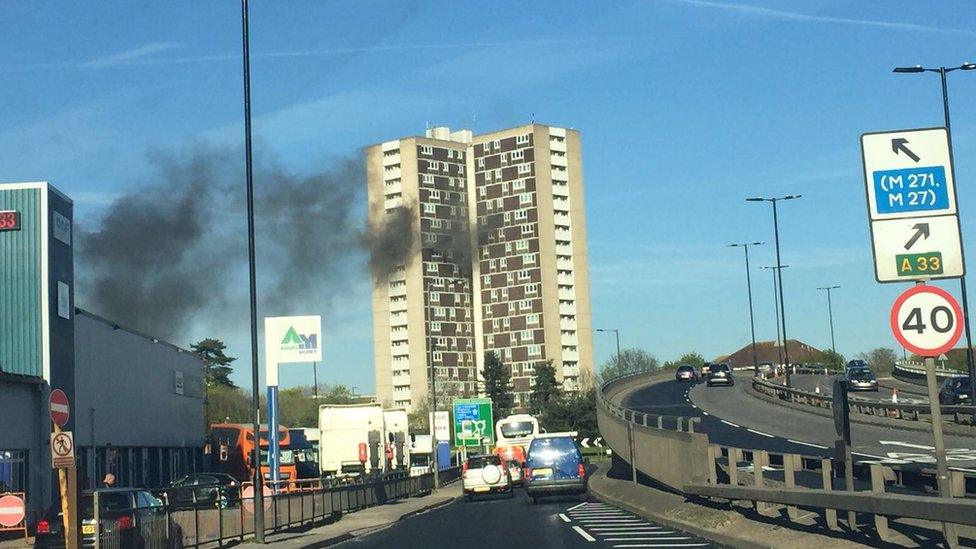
x=898, y=144
x=921, y=230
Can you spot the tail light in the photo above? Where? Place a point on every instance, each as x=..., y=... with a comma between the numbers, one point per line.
x=464, y=470
x=124, y=522
x=44, y=527
x=581, y=470
x=527, y=472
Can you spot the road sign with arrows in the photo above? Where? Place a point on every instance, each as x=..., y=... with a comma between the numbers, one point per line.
x=911, y=196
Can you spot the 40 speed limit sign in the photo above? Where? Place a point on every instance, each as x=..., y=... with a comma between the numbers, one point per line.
x=926, y=320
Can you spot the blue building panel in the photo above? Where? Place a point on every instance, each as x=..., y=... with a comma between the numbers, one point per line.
x=21, y=336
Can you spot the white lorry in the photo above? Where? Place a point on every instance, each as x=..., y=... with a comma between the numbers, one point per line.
x=351, y=439
x=396, y=438
x=420, y=455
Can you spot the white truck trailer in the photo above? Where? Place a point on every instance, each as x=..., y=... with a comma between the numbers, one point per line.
x=351, y=439
x=396, y=437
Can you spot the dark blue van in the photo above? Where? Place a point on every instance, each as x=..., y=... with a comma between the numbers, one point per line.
x=554, y=466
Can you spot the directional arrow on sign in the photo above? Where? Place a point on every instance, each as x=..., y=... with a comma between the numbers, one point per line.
x=921, y=230
x=585, y=443
x=899, y=144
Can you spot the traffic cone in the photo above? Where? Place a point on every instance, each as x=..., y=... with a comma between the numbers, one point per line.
x=817, y=390
x=794, y=369
x=894, y=396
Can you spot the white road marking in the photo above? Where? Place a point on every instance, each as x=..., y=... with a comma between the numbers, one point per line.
x=577, y=506
x=806, y=443
x=695, y=407
x=564, y=517
x=730, y=423
x=583, y=533
x=673, y=538
x=665, y=545
x=867, y=455
x=640, y=533
x=625, y=529
x=906, y=444
x=618, y=522
x=704, y=412
x=760, y=433
x=963, y=469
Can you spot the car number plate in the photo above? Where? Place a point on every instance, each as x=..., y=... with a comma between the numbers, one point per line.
x=87, y=529
x=541, y=472
x=482, y=489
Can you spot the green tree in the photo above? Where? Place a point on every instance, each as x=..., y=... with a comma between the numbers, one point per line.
x=216, y=365
x=691, y=359
x=545, y=389
x=629, y=361
x=833, y=359
x=228, y=404
x=497, y=384
x=297, y=408
x=881, y=360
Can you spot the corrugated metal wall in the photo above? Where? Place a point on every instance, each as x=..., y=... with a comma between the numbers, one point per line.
x=20, y=280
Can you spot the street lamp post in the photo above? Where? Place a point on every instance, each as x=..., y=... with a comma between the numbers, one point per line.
x=616, y=333
x=782, y=307
x=752, y=322
x=967, y=66
x=252, y=282
x=830, y=316
x=776, y=270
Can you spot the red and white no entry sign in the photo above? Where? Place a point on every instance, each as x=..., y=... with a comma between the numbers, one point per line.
x=59, y=407
x=926, y=320
x=11, y=511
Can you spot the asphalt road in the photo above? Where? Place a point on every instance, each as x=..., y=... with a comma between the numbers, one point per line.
x=731, y=417
x=497, y=521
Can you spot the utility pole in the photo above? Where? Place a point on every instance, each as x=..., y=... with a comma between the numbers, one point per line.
x=830, y=316
x=752, y=322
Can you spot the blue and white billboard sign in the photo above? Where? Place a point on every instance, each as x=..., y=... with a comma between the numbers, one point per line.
x=911, y=198
x=908, y=173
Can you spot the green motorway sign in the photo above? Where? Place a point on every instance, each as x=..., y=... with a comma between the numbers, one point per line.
x=473, y=420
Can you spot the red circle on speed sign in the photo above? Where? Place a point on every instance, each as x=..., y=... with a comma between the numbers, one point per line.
x=926, y=320
x=59, y=407
x=11, y=511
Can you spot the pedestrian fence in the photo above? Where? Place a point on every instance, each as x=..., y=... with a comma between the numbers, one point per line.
x=210, y=516
x=670, y=452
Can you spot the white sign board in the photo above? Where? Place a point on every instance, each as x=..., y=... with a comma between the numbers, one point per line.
x=442, y=426
x=62, y=449
x=289, y=339
x=911, y=197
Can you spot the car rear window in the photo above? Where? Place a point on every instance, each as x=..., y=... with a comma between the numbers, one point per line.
x=685, y=369
x=554, y=450
x=480, y=462
x=861, y=374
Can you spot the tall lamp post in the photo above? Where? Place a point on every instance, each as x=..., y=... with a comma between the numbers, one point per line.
x=252, y=284
x=967, y=66
x=830, y=317
x=616, y=333
x=752, y=322
x=782, y=307
x=776, y=270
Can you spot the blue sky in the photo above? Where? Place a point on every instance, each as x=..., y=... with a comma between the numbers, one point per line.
x=686, y=107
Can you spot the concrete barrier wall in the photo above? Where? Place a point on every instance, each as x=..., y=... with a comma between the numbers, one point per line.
x=672, y=458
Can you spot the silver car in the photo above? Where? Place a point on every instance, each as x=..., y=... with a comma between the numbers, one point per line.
x=485, y=474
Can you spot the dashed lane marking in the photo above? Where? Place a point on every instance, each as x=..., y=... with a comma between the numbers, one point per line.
x=806, y=443
x=583, y=534
x=760, y=433
x=732, y=424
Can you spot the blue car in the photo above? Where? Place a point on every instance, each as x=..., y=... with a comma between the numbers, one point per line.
x=554, y=466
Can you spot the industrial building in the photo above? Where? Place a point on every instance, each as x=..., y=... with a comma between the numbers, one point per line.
x=497, y=260
x=136, y=403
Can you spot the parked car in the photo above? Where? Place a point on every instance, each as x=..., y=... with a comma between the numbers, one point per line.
x=861, y=379
x=485, y=475
x=686, y=373
x=554, y=466
x=203, y=490
x=720, y=374
x=127, y=518
x=766, y=368
x=706, y=367
x=955, y=390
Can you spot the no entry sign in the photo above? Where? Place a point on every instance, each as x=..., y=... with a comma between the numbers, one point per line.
x=11, y=511
x=926, y=320
x=59, y=407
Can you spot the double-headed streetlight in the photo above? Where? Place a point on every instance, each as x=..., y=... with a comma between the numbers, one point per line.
x=830, y=317
x=782, y=308
x=776, y=270
x=617, y=334
x=967, y=66
x=752, y=323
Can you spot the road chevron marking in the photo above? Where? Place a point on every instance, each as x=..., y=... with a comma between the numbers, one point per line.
x=577, y=506
x=583, y=534
x=906, y=444
x=564, y=517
